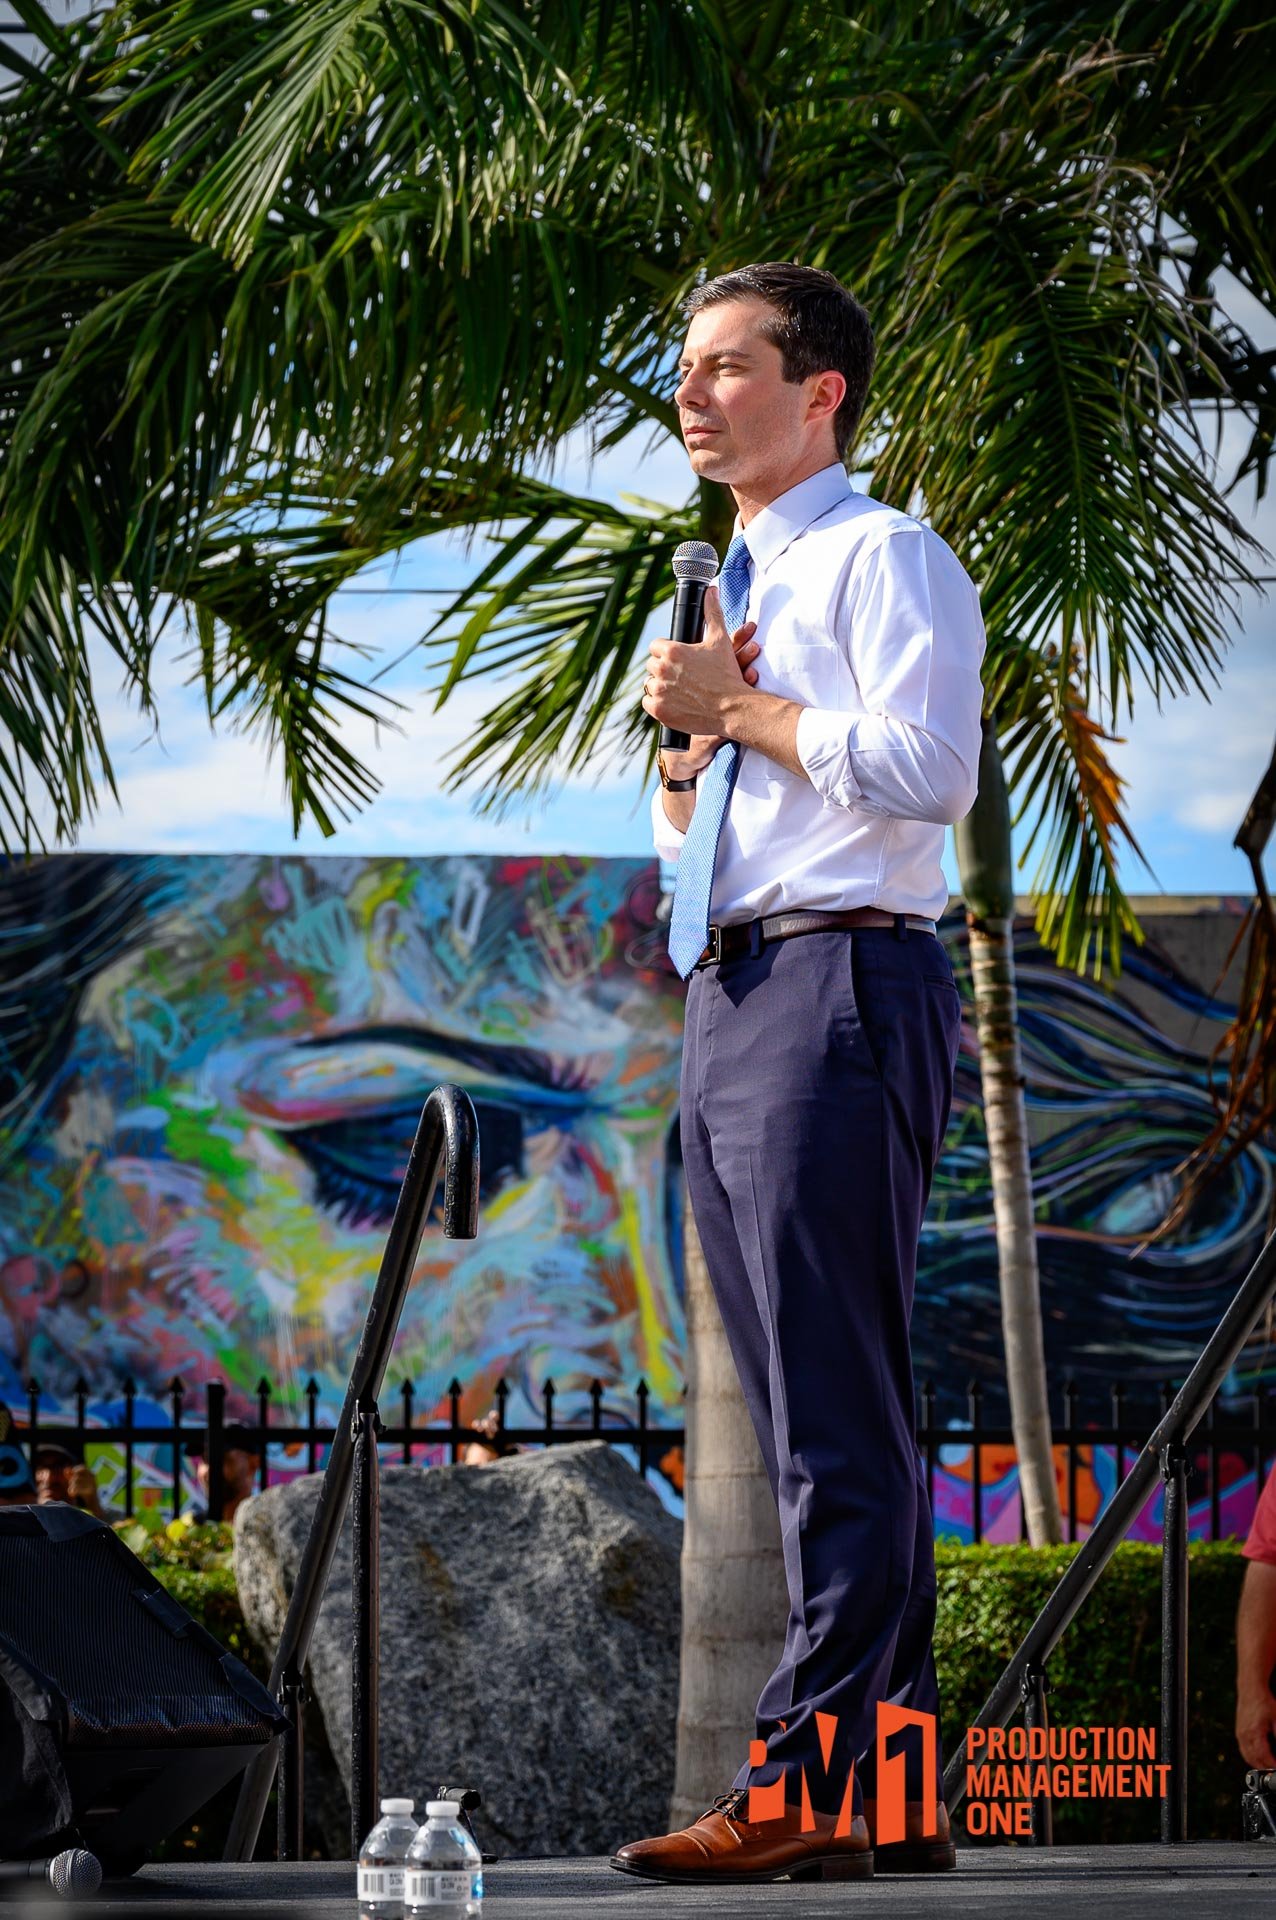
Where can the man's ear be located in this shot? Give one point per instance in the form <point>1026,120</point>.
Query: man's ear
<point>827,395</point>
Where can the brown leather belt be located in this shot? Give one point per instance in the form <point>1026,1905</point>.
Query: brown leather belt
<point>750,936</point>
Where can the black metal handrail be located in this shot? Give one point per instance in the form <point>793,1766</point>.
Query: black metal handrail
<point>446,1134</point>
<point>1165,1453</point>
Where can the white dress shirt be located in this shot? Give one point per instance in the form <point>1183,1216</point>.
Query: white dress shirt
<point>868,619</point>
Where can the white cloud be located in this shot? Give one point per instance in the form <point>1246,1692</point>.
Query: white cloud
<point>1197,765</point>
<point>1190,768</point>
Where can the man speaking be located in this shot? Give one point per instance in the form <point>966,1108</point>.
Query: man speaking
<point>807,819</point>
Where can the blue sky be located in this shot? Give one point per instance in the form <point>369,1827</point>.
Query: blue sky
<point>1190,768</point>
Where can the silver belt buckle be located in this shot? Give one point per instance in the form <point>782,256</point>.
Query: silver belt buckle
<point>714,952</point>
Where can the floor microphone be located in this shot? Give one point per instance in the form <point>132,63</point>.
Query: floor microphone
<point>73,1872</point>
<point>695,567</point>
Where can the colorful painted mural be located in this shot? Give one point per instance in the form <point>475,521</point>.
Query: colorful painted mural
<point>211,1069</point>
<point>212,1073</point>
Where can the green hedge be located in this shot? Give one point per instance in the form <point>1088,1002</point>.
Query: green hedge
<point>1106,1670</point>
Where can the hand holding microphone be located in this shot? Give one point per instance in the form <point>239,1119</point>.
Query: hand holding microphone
<point>697,615</point>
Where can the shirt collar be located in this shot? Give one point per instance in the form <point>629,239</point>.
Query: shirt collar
<point>789,514</point>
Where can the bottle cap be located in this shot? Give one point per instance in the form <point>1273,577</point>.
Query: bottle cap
<point>397,1806</point>
<point>442,1806</point>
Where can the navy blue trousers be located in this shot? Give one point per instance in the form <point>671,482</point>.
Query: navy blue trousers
<point>816,1085</point>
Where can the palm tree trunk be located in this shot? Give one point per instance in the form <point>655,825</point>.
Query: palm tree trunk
<point>734,1596</point>
<point>735,1602</point>
<point>983,853</point>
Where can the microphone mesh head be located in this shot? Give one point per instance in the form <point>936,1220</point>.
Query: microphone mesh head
<point>75,1871</point>
<point>695,560</point>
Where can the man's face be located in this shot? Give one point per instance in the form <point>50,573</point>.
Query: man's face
<point>741,420</point>
<point>51,1478</point>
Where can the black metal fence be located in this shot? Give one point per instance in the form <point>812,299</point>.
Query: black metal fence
<point>304,1447</point>
<point>1242,1433</point>
<point>1230,1444</point>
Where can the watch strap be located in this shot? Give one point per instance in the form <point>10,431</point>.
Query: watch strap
<point>672,786</point>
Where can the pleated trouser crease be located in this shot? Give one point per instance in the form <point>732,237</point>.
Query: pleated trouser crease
<point>816,1085</point>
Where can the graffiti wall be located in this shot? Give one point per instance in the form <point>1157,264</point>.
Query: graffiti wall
<point>211,1070</point>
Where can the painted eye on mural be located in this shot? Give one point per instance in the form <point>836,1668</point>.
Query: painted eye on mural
<point>359,1163</point>
<point>350,1103</point>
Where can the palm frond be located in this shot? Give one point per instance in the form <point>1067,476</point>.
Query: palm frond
<point>565,602</point>
<point>450,93</point>
<point>1246,1107</point>
<point>1043,366</point>
<point>53,754</point>
<point>264,650</point>
<point>1069,791</point>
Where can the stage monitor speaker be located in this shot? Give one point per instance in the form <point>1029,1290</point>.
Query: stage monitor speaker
<point>120,1716</point>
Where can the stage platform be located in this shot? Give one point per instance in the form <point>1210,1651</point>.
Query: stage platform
<point>1110,1883</point>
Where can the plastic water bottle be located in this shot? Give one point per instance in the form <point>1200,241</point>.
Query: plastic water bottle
<point>381,1862</point>
<point>443,1871</point>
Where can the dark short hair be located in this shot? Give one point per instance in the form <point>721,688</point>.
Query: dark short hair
<point>818,324</point>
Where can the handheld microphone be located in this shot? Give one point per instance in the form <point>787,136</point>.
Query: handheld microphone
<point>71,1873</point>
<point>695,567</point>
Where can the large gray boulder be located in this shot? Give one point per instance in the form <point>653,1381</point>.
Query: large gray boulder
<point>530,1621</point>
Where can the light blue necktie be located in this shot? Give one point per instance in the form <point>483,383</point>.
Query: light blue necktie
<point>693,883</point>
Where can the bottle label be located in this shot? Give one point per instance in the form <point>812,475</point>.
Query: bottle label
<point>381,1883</point>
<point>424,1888</point>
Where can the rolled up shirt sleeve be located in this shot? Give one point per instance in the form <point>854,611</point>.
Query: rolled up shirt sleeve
<point>911,628</point>
<point>666,837</point>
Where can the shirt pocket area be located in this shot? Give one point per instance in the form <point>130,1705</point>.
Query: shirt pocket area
<point>808,670</point>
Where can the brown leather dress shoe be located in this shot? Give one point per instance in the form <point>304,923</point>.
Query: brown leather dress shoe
<point>723,1846</point>
<point>918,1851</point>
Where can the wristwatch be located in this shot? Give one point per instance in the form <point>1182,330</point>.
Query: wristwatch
<point>672,786</point>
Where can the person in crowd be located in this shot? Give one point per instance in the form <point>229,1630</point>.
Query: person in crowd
<point>1256,1637</point>
<point>240,1467</point>
<point>59,1476</point>
<point>481,1453</point>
